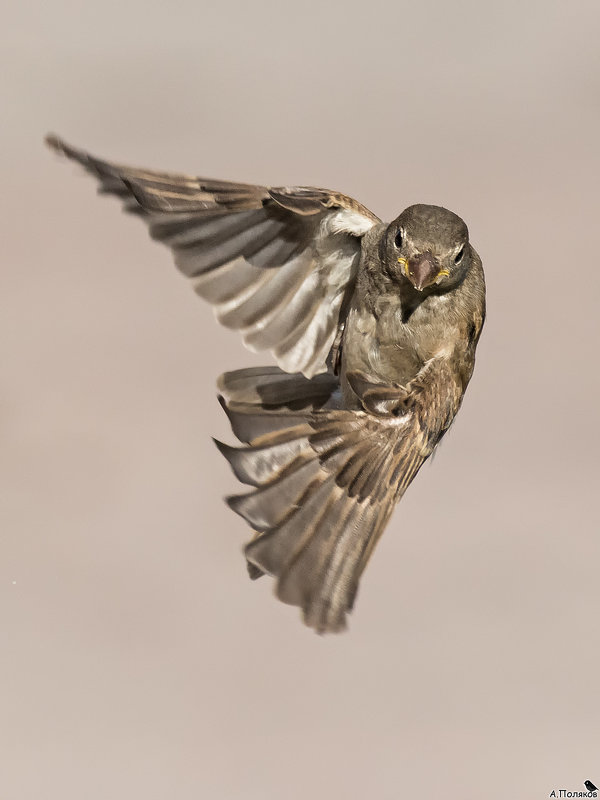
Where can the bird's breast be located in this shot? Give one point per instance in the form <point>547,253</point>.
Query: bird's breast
<point>382,346</point>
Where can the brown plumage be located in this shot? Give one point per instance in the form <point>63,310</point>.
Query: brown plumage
<point>374,329</point>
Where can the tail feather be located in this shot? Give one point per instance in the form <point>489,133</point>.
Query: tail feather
<point>322,485</point>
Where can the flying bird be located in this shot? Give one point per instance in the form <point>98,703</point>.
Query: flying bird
<point>373,327</point>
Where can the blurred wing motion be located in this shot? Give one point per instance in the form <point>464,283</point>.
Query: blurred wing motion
<point>326,479</point>
<point>276,264</point>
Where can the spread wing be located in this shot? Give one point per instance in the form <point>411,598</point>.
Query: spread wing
<point>275,263</point>
<point>325,479</point>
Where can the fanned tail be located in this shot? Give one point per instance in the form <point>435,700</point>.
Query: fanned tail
<point>325,483</point>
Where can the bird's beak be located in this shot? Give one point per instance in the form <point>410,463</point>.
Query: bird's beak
<point>422,270</point>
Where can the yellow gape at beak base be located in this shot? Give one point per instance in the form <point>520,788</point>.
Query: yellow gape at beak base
<point>404,264</point>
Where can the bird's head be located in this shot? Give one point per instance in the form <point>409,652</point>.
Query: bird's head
<point>428,246</point>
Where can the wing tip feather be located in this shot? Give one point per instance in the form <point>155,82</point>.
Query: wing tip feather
<point>53,141</point>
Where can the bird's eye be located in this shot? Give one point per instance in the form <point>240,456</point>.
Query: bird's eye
<point>398,240</point>
<point>459,256</point>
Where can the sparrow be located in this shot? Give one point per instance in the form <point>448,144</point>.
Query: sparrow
<point>373,327</point>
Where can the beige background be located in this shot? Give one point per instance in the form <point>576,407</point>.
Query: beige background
<point>137,660</point>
